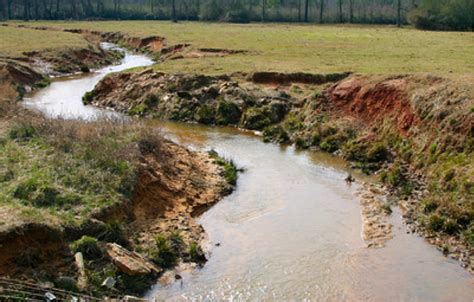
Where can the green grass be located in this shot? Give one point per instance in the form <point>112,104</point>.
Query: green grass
<point>63,171</point>
<point>16,41</point>
<point>230,169</point>
<point>306,48</point>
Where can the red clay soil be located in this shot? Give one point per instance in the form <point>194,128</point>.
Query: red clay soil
<point>370,103</point>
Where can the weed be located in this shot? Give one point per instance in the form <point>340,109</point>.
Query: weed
<point>436,222</point>
<point>45,82</point>
<point>23,132</point>
<point>230,169</point>
<point>450,226</point>
<point>139,109</point>
<point>196,254</point>
<point>88,97</point>
<point>164,255</point>
<point>293,123</point>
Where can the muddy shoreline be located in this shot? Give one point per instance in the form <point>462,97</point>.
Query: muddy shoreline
<point>371,121</point>
<point>264,102</point>
<point>173,186</point>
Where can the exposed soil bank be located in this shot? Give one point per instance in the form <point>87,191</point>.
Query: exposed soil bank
<point>170,186</point>
<point>33,71</point>
<point>411,130</point>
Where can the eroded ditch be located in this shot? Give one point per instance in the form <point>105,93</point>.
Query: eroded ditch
<point>200,286</point>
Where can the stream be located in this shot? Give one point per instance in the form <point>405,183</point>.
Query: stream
<point>292,228</point>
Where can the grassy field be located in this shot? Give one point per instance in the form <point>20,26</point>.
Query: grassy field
<point>308,48</point>
<point>15,41</point>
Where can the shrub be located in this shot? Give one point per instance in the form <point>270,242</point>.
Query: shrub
<point>469,236</point>
<point>377,152</point>
<point>332,142</point>
<point>88,97</point>
<point>436,222</point>
<point>164,255</point>
<point>293,123</point>
<point>23,131</point>
<point>88,246</point>
<point>228,113</point>
<point>275,133</point>
<point>211,10</point>
<point>450,226</point>
<point>238,14</point>
<point>135,284</point>
<point>45,82</point>
<point>151,100</point>
<point>370,152</point>
<point>196,253</point>
<point>176,241</point>
<point>429,205</point>
<point>443,14</point>
<point>302,143</point>
<point>46,197</point>
<point>205,114</point>
<point>255,119</point>
<point>113,232</point>
<point>25,189</point>
<point>84,68</point>
<point>139,109</point>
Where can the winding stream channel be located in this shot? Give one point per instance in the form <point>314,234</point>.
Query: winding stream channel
<point>291,230</point>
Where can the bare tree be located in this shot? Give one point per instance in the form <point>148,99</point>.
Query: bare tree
<point>173,11</point>
<point>306,10</point>
<point>351,11</point>
<point>321,11</point>
<point>25,10</point>
<point>339,2</point>
<point>399,13</point>
<point>299,10</point>
<point>9,8</point>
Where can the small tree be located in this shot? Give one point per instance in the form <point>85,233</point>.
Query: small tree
<point>399,13</point>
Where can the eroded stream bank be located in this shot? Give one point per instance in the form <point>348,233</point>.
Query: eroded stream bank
<point>86,189</point>
<point>293,230</point>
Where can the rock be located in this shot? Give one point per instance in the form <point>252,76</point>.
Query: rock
<point>130,263</point>
<point>133,299</point>
<point>109,282</point>
<point>50,297</point>
<point>79,261</point>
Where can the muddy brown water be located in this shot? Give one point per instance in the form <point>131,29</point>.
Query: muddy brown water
<point>292,228</point>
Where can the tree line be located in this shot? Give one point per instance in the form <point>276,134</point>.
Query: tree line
<point>431,14</point>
